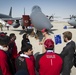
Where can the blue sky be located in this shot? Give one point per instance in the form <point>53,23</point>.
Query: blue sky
<point>62,8</point>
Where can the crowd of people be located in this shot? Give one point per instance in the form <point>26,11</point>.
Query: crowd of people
<point>13,62</point>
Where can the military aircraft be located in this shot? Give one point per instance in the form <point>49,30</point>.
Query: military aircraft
<point>9,19</point>
<point>24,21</point>
<point>72,20</point>
<point>39,20</point>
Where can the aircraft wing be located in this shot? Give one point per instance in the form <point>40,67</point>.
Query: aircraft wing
<point>66,18</point>
<point>11,18</point>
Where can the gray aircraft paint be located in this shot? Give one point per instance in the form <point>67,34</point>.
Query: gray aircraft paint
<point>39,20</point>
<point>72,22</point>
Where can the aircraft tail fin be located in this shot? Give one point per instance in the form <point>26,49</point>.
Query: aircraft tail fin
<point>10,13</point>
<point>24,11</point>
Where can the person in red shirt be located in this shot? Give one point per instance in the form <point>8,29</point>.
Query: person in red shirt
<point>5,68</point>
<point>25,61</point>
<point>49,63</point>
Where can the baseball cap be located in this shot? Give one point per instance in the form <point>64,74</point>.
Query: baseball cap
<point>44,30</point>
<point>49,43</point>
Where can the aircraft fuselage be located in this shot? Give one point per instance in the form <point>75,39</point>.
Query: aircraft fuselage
<point>72,22</point>
<point>4,16</point>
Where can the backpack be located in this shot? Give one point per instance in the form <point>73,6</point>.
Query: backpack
<point>21,64</point>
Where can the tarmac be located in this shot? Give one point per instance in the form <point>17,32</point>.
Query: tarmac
<point>58,28</point>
